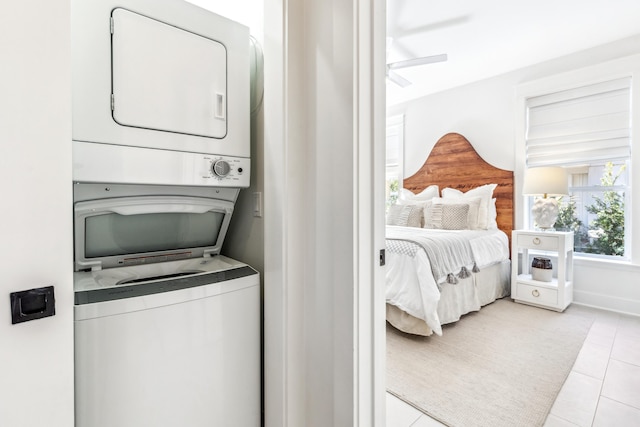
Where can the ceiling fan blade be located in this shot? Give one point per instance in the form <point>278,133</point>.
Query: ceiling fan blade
<point>398,79</point>
<point>418,61</point>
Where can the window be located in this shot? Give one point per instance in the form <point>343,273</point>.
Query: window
<point>394,158</point>
<point>587,130</point>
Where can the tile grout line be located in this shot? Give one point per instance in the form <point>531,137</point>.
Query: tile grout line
<point>604,377</point>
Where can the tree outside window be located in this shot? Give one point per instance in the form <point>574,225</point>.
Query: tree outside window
<point>596,214</point>
<point>392,191</point>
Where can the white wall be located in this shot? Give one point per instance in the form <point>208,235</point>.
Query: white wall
<point>480,112</point>
<point>486,112</point>
<point>36,216</point>
<point>246,12</point>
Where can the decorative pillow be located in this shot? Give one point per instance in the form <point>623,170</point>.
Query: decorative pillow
<point>406,197</point>
<point>492,222</point>
<point>483,191</point>
<point>405,215</point>
<point>405,194</point>
<point>472,214</point>
<point>447,217</point>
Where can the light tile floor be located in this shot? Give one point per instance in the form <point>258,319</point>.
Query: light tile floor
<point>602,390</point>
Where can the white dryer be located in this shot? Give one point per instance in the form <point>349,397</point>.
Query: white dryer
<point>160,90</point>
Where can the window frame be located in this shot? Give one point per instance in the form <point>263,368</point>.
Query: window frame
<point>624,67</point>
<point>394,128</point>
<point>597,189</point>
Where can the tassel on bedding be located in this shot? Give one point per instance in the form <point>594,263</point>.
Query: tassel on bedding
<point>475,268</point>
<point>451,278</point>
<point>464,273</point>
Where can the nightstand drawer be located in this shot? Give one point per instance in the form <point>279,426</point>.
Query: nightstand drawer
<point>536,295</point>
<point>539,241</point>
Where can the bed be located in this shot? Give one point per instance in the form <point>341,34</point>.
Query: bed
<point>447,239</point>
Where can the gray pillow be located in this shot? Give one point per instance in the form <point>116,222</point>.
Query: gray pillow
<point>405,215</point>
<point>446,217</point>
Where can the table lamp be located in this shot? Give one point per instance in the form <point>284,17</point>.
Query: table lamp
<point>545,183</point>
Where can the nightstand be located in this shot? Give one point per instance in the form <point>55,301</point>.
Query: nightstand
<point>556,294</point>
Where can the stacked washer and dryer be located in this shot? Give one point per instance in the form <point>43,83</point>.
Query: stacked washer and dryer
<point>166,328</point>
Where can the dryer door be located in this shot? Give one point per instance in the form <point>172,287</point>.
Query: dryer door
<point>166,78</point>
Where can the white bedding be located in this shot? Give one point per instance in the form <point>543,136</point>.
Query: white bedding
<point>410,283</point>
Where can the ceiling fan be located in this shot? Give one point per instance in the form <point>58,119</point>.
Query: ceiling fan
<point>392,66</point>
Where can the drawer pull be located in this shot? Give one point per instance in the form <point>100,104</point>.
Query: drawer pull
<point>535,293</point>
<point>536,240</point>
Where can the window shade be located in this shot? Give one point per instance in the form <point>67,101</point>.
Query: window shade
<point>580,126</point>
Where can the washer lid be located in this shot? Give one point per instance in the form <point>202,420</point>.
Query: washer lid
<point>148,229</point>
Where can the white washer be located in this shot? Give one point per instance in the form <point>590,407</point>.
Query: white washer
<point>178,350</point>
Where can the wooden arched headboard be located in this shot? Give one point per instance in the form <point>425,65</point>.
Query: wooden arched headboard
<point>454,163</point>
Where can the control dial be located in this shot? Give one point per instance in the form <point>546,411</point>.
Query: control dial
<point>221,168</point>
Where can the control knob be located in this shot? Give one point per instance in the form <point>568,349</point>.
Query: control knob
<point>221,168</point>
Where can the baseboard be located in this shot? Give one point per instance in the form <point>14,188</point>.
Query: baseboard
<point>606,302</point>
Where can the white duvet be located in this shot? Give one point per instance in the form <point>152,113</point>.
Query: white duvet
<point>410,284</point>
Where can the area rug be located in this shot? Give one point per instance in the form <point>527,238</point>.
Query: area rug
<point>501,366</point>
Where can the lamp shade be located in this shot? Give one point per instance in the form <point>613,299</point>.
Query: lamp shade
<point>547,181</point>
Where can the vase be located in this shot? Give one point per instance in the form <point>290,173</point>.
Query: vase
<point>541,269</point>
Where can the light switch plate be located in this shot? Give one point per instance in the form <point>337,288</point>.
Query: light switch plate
<point>257,204</point>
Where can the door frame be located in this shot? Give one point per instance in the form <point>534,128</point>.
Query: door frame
<point>291,395</point>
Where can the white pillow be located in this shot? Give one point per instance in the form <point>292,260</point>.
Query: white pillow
<point>407,197</point>
<point>492,223</point>
<point>472,214</point>
<point>485,192</point>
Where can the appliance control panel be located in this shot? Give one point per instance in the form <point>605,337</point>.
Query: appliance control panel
<point>225,171</point>
<point>138,165</point>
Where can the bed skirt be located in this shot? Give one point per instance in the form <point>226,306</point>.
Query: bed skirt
<point>456,300</point>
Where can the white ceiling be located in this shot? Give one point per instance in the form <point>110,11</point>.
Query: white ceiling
<point>486,38</point>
